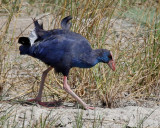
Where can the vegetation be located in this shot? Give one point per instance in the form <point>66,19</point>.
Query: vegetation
<point>135,48</point>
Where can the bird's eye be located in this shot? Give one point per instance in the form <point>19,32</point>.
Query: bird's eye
<point>110,56</point>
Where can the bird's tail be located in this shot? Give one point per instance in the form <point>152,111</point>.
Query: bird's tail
<point>65,24</point>
<point>24,48</point>
<point>37,25</point>
<point>37,32</point>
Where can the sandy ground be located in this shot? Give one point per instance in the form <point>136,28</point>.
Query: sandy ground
<point>130,116</point>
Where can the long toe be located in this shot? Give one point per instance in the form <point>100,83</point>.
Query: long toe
<point>32,100</point>
<point>88,107</point>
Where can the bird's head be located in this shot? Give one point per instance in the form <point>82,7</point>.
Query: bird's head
<point>105,56</point>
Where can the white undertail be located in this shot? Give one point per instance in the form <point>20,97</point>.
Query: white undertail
<point>33,37</point>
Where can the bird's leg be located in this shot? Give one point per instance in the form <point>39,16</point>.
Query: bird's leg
<point>39,96</point>
<point>68,90</point>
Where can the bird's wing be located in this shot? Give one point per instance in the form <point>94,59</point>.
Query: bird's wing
<point>50,50</point>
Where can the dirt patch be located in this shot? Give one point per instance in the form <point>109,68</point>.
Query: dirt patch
<point>131,116</point>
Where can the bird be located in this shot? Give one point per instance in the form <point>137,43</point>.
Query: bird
<point>62,49</point>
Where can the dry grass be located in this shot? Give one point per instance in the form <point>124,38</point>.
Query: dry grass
<point>136,50</point>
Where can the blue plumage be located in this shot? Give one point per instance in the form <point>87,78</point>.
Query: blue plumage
<point>62,49</point>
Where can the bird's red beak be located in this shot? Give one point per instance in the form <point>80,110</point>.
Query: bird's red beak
<point>111,64</point>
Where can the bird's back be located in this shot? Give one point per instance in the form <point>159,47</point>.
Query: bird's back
<point>61,49</point>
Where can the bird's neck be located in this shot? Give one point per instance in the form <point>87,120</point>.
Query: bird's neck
<point>98,55</point>
<point>88,60</point>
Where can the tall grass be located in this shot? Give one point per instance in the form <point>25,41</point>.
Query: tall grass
<point>136,56</point>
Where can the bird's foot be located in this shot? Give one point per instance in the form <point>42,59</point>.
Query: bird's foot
<point>88,107</point>
<point>46,104</point>
<point>33,100</point>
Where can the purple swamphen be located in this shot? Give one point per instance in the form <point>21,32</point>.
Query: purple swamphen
<point>62,50</point>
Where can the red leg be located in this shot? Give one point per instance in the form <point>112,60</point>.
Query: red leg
<point>39,96</point>
<point>68,90</point>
